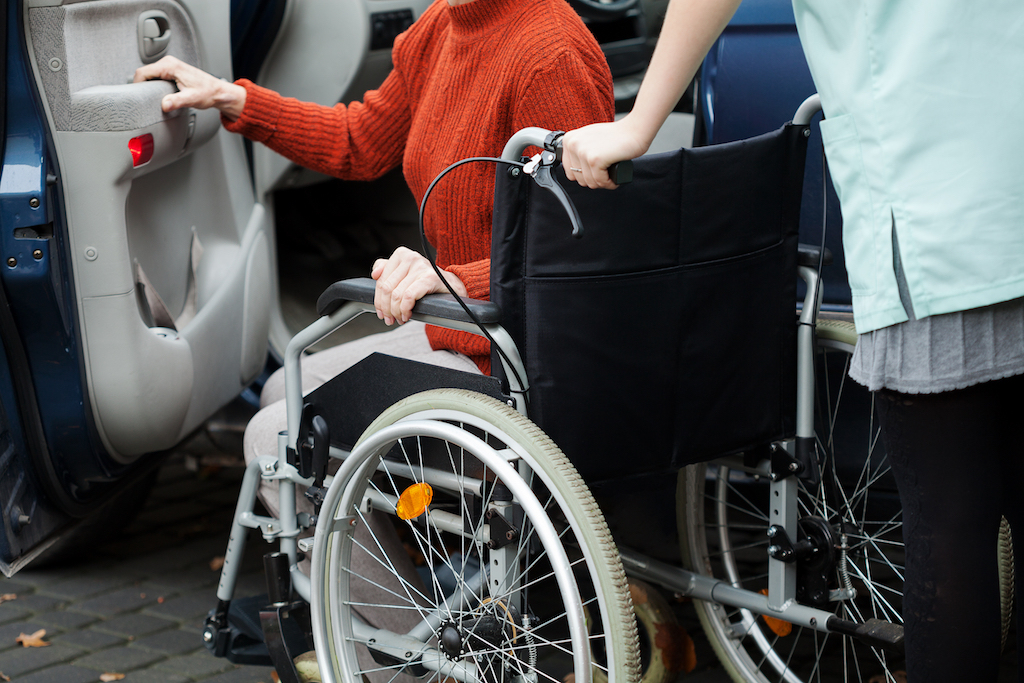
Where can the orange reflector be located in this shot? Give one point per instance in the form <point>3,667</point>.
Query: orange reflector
<point>778,626</point>
<point>141,149</point>
<point>414,500</point>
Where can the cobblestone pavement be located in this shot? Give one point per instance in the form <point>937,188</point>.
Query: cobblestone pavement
<point>136,605</point>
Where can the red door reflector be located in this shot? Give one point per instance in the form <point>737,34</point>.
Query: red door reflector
<point>141,149</point>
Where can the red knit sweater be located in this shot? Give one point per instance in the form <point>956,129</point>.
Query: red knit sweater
<point>465,78</point>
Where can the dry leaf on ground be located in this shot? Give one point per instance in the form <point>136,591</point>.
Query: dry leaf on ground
<point>216,563</point>
<point>34,640</point>
<point>107,677</point>
<point>7,597</point>
<point>4,677</point>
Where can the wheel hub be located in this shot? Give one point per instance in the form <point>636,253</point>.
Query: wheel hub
<point>451,639</point>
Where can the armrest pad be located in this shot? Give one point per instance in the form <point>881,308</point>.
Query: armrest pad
<point>445,306</point>
<point>807,255</point>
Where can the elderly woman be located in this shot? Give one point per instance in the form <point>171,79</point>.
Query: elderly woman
<point>467,75</point>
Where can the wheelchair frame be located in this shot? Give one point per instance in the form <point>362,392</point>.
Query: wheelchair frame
<point>780,602</point>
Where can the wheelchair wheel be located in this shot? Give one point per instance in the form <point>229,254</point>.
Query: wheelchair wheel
<point>723,522</point>
<point>493,519</point>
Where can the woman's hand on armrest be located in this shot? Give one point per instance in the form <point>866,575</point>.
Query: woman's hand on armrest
<point>196,88</point>
<point>402,280</point>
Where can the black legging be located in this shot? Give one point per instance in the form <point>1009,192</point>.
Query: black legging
<point>958,458</point>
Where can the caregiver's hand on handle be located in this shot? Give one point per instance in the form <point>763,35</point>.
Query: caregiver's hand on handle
<point>690,28</point>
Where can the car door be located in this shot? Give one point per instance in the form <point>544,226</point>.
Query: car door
<point>137,277</point>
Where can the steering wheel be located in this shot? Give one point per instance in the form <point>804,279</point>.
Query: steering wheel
<point>598,10</point>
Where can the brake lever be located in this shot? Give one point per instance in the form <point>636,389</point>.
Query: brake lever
<point>539,168</point>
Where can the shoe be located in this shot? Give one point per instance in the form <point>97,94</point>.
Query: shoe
<point>309,670</point>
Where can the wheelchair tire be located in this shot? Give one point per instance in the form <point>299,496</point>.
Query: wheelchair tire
<point>723,522</point>
<point>515,629</point>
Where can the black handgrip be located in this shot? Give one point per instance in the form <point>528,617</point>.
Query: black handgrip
<point>621,172</point>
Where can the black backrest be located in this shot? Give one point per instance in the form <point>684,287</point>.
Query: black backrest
<point>666,335</point>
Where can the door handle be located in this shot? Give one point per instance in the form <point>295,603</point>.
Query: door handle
<point>154,35</point>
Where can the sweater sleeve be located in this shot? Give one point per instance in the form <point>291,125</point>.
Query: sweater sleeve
<point>359,141</point>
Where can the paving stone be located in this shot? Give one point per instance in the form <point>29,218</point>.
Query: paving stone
<point>27,659</point>
<point>65,620</point>
<point>9,611</point>
<point>62,674</point>
<point>155,676</point>
<point>120,601</point>
<point>48,575</point>
<point>244,674</point>
<point>197,665</point>
<point>84,586</point>
<point>89,639</point>
<point>186,579</point>
<point>170,642</point>
<point>18,584</point>
<point>151,539</point>
<point>119,659</point>
<point>134,625</point>
<point>185,606</point>
<point>36,603</point>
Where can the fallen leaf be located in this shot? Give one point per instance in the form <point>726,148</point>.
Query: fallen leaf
<point>107,677</point>
<point>160,600</point>
<point>216,563</point>
<point>4,677</point>
<point>34,640</point>
<point>7,597</point>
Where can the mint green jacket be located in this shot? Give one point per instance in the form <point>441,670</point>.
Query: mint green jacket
<point>924,135</point>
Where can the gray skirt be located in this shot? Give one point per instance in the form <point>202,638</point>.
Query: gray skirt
<point>943,352</point>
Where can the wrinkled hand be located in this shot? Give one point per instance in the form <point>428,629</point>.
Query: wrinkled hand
<point>592,149</point>
<point>196,88</point>
<point>404,279</point>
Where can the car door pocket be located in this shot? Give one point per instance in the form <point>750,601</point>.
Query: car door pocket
<point>154,35</point>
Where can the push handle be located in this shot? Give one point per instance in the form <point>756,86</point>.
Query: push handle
<point>620,172</point>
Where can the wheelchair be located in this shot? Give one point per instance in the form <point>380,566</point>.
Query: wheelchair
<point>456,541</point>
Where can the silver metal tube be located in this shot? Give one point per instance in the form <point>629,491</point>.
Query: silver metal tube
<point>714,590</point>
<point>236,541</point>
<point>807,109</point>
<point>527,137</point>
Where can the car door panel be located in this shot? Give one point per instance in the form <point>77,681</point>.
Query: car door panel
<point>182,224</point>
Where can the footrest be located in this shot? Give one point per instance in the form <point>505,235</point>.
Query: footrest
<point>445,306</point>
<point>873,632</point>
<point>243,641</point>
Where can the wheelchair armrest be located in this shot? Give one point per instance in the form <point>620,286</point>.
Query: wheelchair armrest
<point>807,255</point>
<point>360,289</point>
